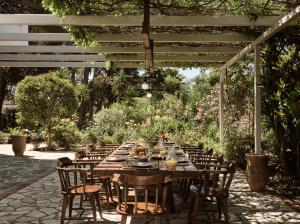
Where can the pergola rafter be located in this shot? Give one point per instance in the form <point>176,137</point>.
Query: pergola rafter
<point>53,20</point>
<point>132,38</point>
<point>114,49</point>
<point>90,57</point>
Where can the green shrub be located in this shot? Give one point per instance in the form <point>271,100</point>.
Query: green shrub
<point>65,133</point>
<point>107,121</point>
<point>89,136</point>
<point>237,145</point>
<point>43,99</point>
<point>119,136</point>
<point>4,137</point>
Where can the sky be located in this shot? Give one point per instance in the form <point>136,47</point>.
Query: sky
<point>189,73</point>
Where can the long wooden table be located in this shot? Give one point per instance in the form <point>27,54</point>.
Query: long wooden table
<point>184,170</point>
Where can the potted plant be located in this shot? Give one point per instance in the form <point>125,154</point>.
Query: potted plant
<point>18,139</point>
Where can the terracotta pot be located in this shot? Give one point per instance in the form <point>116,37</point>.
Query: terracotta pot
<point>257,171</point>
<point>18,144</point>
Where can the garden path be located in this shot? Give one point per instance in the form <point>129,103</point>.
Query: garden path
<point>30,193</point>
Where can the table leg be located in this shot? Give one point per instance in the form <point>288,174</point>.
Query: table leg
<point>170,198</point>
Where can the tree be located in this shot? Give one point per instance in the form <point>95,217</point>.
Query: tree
<point>281,97</point>
<point>43,99</point>
<point>9,77</point>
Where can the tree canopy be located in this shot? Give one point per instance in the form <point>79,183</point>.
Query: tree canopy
<point>42,99</point>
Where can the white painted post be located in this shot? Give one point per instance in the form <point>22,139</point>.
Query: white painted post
<point>221,110</point>
<point>257,99</point>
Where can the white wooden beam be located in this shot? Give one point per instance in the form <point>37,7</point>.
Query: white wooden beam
<point>184,58</point>
<point>112,49</point>
<point>88,57</point>
<point>279,25</point>
<point>58,37</point>
<point>257,99</point>
<point>165,64</point>
<point>140,64</point>
<point>51,64</point>
<point>51,57</point>
<point>53,20</point>
<point>170,38</point>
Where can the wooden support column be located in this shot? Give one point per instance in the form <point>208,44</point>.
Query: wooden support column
<point>221,109</point>
<point>148,43</point>
<point>257,99</point>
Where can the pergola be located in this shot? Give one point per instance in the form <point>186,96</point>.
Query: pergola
<point>221,49</point>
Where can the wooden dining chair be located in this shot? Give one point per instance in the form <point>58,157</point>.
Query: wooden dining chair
<point>213,182</point>
<point>91,161</point>
<point>74,183</point>
<point>147,197</point>
<point>64,162</point>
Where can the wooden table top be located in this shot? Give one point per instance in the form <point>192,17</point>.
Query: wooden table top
<point>186,170</point>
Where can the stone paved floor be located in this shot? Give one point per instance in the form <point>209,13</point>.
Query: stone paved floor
<point>18,172</point>
<point>40,201</point>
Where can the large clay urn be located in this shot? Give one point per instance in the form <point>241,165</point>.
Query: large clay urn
<point>257,171</point>
<point>18,144</point>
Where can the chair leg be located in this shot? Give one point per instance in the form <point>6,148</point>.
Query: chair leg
<point>97,196</point>
<point>158,219</point>
<point>71,199</point>
<point>81,201</point>
<point>123,219</point>
<point>92,201</point>
<point>225,209</point>
<point>219,206</point>
<point>195,210</point>
<point>105,186</point>
<point>109,189</point>
<point>64,208</point>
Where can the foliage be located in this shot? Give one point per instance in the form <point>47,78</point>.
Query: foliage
<point>86,35</point>
<point>17,131</point>
<point>238,143</point>
<point>119,85</point>
<point>43,99</point>
<point>281,98</point>
<point>239,94</point>
<point>3,137</point>
<point>100,90</point>
<point>65,132</point>
<point>89,135</point>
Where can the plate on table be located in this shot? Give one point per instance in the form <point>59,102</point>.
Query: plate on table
<point>179,152</point>
<point>142,165</point>
<point>126,147</point>
<point>115,159</point>
<point>121,152</point>
<point>182,160</point>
